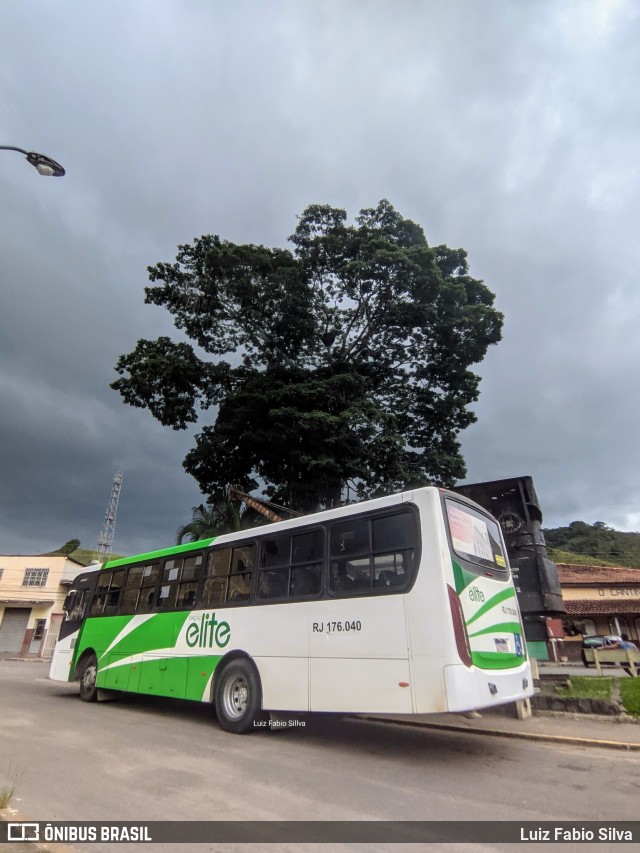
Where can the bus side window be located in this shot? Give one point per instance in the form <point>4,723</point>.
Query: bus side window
<point>187,594</point>
<point>307,558</point>
<point>179,585</point>
<point>214,590</point>
<point>148,581</point>
<point>101,593</point>
<point>131,591</point>
<point>69,603</point>
<point>167,596</point>
<point>306,580</point>
<point>113,596</point>
<point>373,554</point>
<point>241,573</point>
<point>339,580</point>
<point>74,605</point>
<point>275,561</point>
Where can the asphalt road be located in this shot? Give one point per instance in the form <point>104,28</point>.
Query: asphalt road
<point>142,759</point>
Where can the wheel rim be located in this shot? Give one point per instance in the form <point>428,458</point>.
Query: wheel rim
<point>89,678</point>
<point>235,697</point>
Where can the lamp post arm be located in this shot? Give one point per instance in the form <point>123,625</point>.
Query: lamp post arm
<point>13,148</point>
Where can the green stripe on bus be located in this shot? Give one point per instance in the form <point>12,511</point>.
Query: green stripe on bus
<point>180,677</point>
<point>165,552</point>
<point>503,595</point>
<point>496,660</point>
<point>160,631</point>
<point>461,576</point>
<point>500,628</point>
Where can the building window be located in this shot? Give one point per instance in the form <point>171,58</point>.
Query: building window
<point>1,571</point>
<point>38,632</point>
<point>618,625</point>
<point>35,577</point>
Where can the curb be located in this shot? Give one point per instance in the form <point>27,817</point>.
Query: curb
<point>566,739</point>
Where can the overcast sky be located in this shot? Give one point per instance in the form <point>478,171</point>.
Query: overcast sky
<point>507,128</point>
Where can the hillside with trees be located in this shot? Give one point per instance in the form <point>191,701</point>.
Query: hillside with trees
<point>594,544</point>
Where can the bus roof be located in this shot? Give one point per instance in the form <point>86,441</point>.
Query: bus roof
<point>311,518</point>
<point>164,552</point>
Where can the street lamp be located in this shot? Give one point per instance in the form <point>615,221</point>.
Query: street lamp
<point>45,165</point>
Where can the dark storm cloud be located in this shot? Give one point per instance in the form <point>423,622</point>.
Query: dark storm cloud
<point>509,129</point>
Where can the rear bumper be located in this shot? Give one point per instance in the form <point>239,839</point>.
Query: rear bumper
<point>471,688</point>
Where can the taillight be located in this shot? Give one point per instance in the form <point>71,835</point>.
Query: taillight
<point>459,628</point>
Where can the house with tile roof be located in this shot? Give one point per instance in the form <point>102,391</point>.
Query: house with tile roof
<point>599,600</point>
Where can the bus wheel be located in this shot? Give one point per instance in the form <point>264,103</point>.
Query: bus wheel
<point>238,697</point>
<point>88,673</point>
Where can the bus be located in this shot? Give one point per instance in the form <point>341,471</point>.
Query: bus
<point>403,604</point>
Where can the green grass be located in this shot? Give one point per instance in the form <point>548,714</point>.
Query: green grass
<point>585,687</point>
<point>630,695</point>
<point>8,791</point>
<point>85,555</point>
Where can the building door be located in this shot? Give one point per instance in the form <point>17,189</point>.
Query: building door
<point>13,628</point>
<point>38,636</point>
<point>52,635</point>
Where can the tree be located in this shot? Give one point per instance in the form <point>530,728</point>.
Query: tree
<point>221,516</point>
<point>350,354</point>
<point>68,547</point>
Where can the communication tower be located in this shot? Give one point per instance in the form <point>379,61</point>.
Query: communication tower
<point>105,540</point>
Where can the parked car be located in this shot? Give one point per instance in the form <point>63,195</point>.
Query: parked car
<point>596,642</point>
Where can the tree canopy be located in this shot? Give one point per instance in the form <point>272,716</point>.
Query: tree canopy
<point>343,363</point>
<point>68,548</point>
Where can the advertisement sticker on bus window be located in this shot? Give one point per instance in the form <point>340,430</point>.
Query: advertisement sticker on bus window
<point>469,534</point>
<point>500,560</point>
<point>501,645</point>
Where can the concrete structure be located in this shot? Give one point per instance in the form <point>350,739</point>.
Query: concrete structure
<point>598,600</point>
<point>32,590</point>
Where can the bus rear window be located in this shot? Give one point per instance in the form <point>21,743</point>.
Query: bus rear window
<point>475,536</point>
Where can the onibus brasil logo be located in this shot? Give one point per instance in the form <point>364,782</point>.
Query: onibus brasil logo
<point>205,631</point>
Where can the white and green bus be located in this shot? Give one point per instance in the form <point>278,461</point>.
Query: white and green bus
<point>403,604</point>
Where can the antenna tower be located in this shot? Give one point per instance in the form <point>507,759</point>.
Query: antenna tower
<point>105,540</point>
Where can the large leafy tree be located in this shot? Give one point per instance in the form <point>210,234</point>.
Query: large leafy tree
<point>342,363</point>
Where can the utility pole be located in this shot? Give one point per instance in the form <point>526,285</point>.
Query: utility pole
<point>105,540</point>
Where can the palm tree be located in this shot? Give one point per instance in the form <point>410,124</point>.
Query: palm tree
<point>212,519</point>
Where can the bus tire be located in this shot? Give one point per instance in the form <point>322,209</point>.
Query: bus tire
<point>238,696</point>
<point>88,674</point>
